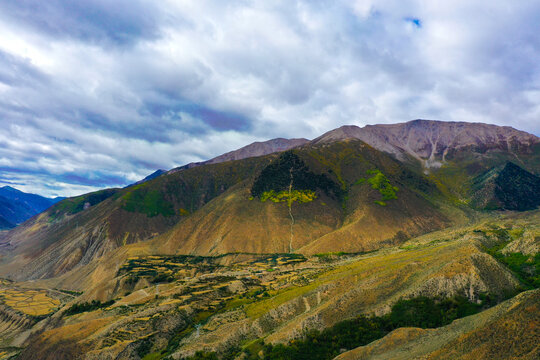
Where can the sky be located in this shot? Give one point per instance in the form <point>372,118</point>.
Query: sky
<point>101,93</point>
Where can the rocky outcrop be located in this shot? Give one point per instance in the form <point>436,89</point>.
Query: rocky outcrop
<point>12,323</point>
<point>527,244</point>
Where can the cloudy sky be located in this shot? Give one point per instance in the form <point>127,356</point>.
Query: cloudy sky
<point>101,93</point>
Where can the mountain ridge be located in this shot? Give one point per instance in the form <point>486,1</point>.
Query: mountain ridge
<point>258,148</point>
<point>258,252</point>
<point>431,141</point>
<point>205,209</point>
<point>17,206</point>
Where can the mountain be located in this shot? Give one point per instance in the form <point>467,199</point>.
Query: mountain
<point>435,142</point>
<point>17,206</point>
<point>217,208</point>
<point>465,338</point>
<point>5,224</point>
<point>507,188</point>
<point>153,175</point>
<point>451,154</point>
<point>251,150</point>
<point>272,242</point>
<point>174,306</point>
<point>344,195</point>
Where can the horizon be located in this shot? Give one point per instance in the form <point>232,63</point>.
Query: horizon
<point>101,94</point>
<point>55,195</point>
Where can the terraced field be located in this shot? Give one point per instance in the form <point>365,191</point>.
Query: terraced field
<point>158,306</point>
<point>29,302</point>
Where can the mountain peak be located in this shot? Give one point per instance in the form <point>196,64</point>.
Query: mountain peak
<point>258,148</point>
<point>11,189</point>
<point>433,142</point>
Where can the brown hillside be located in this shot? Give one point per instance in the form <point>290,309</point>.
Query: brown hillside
<point>508,331</point>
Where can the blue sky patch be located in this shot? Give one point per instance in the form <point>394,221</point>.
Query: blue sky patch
<point>415,21</point>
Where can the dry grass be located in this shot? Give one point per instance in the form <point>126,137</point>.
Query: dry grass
<point>29,302</point>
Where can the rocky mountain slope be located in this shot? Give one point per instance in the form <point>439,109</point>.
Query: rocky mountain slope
<point>211,209</point>
<point>434,142</point>
<point>343,196</point>
<point>258,148</point>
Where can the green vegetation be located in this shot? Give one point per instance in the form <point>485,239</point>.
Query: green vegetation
<point>417,312</point>
<point>360,181</point>
<point>144,348</point>
<point>381,183</point>
<point>163,278</point>
<point>330,256</point>
<point>525,267</point>
<point>69,292</point>
<point>77,204</point>
<point>517,189</point>
<point>290,169</point>
<point>87,306</point>
<point>302,196</point>
<point>150,202</point>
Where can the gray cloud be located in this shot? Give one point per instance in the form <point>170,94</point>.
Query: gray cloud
<point>97,93</point>
<point>113,23</point>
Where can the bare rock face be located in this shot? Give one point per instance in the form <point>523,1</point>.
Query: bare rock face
<point>434,142</point>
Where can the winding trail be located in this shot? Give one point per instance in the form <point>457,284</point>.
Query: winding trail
<point>289,203</point>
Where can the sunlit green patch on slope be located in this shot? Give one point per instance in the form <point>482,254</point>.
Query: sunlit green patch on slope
<point>380,182</point>
<point>300,196</point>
<point>147,201</point>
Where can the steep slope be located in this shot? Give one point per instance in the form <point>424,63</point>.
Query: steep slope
<point>4,224</point>
<point>314,199</point>
<point>508,331</point>
<point>341,196</point>
<point>435,142</point>
<point>77,230</point>
<point>239,300</point>
<point>450,153</point>
<point>251,150</point>
<point>507,188</point>
<point>239,252</point>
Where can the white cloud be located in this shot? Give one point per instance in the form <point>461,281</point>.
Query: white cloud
<point>112,102</point>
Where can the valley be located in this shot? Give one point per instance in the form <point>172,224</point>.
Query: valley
<point>178,305</point>
<point>318,247</point>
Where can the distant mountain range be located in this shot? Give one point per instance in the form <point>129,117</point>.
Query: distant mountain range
<point>17,206</point>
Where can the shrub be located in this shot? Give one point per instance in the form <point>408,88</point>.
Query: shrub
<point>87,306</point>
